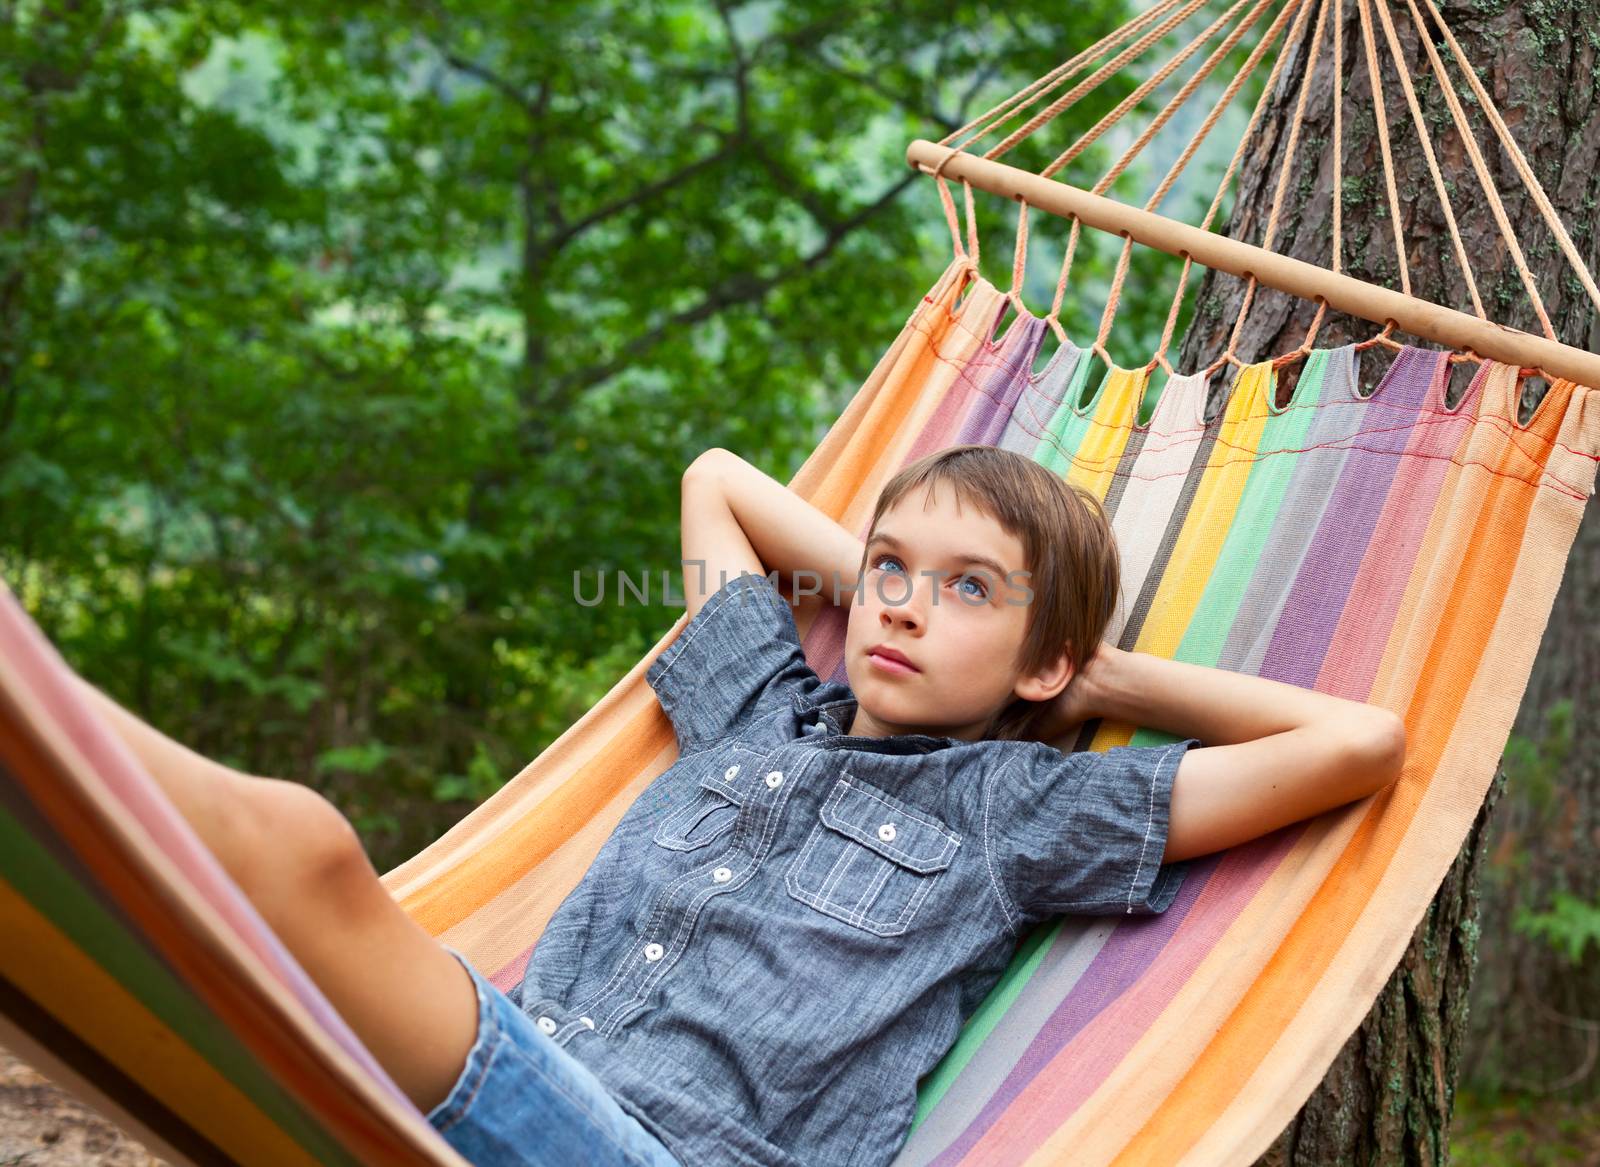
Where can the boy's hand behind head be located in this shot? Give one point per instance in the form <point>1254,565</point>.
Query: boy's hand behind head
<point>1080,700</point>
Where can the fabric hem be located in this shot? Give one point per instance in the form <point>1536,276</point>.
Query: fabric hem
<point>1155,893</point>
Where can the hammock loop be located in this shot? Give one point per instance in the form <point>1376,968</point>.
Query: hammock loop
<point>969,252</point>
<point>1066,271</point>
<point>1019,260</point>
<point>1115,296</point>
<point>1384,338</point>
<point>1238,325</point>
<point>1316,325</point>
<point>972,225</point>
<point>949,204</point>
<point>1284,360</point>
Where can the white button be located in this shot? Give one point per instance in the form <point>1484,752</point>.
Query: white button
<point>886,832</point>
<point>822,727</point>
<point>775,779</point>
<point>730,772</point>
<point>722,875</point>
<point>589,1021</point>
<point>654,952</point>
<point>546,1025</point>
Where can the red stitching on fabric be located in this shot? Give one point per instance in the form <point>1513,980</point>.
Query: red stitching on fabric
<point>1492,418</point>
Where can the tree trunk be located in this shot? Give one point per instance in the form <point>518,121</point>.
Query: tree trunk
<point>1389,1095</point>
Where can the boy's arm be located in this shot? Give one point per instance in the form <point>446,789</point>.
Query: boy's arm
<point>737,519</point>
<point>1275,753</point>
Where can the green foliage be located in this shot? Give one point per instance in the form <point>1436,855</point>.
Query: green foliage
<point>1533,765</point>
<point>1525,1129</point>
<point>1533,769</point>
<point>1568,925</point>
<point>333,339</point>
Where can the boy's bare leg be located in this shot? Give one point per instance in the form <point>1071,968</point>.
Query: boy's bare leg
<point>302,866</point>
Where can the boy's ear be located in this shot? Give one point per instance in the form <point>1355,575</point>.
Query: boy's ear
<point>1046,684</point>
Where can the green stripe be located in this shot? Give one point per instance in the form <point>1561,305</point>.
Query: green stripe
<point>1251,524</point>
<point>1067,426</point>
<point>61,899</point>
<point>983,1021</point>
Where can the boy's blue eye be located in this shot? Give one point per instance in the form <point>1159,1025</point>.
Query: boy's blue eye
<point>983,589</point>
<point>884,559</point>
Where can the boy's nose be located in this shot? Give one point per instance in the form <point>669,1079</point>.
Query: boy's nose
<point>903,606</point>
<point>899,615</point>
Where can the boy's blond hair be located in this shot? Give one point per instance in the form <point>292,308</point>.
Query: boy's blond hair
<point>1068,551</point>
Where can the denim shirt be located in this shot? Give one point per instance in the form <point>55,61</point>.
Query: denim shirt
<point>789,927</point>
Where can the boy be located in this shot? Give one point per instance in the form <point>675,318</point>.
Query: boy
<point>774,946</point>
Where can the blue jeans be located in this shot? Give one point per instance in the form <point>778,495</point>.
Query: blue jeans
<point>522,1099</point>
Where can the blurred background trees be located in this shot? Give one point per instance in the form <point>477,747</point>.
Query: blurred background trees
<point>334,340</point>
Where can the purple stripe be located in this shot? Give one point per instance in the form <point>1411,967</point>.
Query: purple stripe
<point>1173,938</point>
<point>1317,599</point>
<point>1000,391</point>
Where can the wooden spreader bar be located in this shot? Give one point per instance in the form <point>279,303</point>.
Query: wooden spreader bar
<point>1445,326</point>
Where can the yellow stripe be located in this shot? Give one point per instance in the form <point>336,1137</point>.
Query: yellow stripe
<point>41,961</point>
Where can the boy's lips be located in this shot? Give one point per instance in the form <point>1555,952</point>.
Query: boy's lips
<point>891,660</point>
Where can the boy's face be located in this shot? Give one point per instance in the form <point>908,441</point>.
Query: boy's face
<point>944,586</point>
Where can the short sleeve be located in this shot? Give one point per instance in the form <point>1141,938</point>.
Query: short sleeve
<point>1083,833</point>
<point>737,660</point>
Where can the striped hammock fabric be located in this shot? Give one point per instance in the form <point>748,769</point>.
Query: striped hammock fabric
<point>1384,549</point>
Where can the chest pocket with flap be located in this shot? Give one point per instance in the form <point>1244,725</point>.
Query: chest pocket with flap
<point>870,859</point>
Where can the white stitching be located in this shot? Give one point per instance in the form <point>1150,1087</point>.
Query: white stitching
<point>988,859</point>
<point>952,841</point>
<point>1150,820</point>
<point>857,916</point>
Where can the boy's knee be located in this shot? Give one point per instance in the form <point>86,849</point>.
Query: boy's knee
<point>301,846</point>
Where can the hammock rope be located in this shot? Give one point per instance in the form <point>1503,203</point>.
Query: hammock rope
<point>1274,214</point>
<point>980,126</point>
<point>1160,120</point>
<point>1426,141</point>
<point>1092,82</point>
<point>1127,104</point>
<point>1464,131</point>
<point>1482,342</point>
<point>1529,179</point>
<point>1019,258</point>
<point>1300,10</point>
<point>1105,182</point>
<point>1337,246</point>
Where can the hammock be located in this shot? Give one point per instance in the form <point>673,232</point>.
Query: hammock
<point>1391,548</point>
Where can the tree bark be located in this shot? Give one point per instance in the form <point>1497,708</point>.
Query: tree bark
<point>1389,1095</point>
